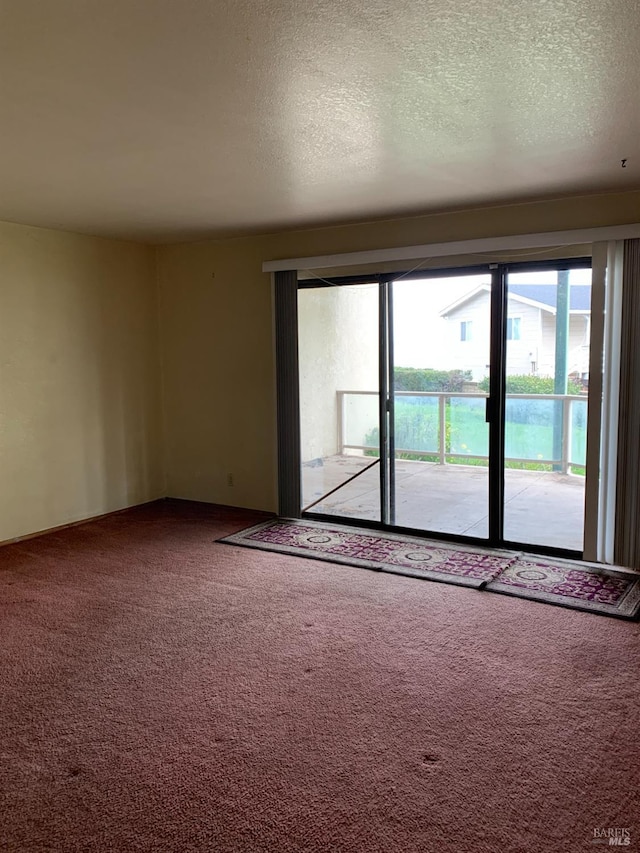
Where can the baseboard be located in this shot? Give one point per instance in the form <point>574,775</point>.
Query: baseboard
<point>227,507</point>
<point>69,524</point>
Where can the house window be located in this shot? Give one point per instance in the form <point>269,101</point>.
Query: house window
<point>465,330</point>
<point>513,328</point>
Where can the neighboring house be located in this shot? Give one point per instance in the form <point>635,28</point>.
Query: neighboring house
<point>531,330</point>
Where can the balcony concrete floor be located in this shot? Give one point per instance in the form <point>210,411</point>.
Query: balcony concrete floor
<point>540,508</point>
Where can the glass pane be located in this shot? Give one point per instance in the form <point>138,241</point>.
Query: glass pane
<point>360,420</point>
<point>546,407</point>
<point>529,434</point>
<point>578,436</point>
<point>338,357</point>
<point>468,431</point>
<point>416,424</point>
<point>441,329</point>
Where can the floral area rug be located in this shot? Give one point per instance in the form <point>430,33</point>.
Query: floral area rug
<point>582,586</point>
<point>614,592</point>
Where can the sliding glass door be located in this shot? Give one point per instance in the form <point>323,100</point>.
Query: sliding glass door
<point>338,346</point>
<point>450,403</point>
<point>440,356</point>
<point>547,336</point>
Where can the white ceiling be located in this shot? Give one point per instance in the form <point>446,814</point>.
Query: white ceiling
<point>166,120</point>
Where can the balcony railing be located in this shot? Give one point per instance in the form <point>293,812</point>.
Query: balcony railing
<point>540,429</point>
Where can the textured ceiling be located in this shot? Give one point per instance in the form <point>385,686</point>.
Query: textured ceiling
<point>178,119</point>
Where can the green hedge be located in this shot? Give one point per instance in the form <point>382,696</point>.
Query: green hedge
<point>426,379</point>
<point>526,384</point>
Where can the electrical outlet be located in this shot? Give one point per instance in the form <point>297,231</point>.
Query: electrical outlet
<point>229,479</point>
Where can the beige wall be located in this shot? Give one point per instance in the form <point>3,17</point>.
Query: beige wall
<point>217,333</point>
<point>80,408</point>
<point>218,373</point>
<point>80,383</point>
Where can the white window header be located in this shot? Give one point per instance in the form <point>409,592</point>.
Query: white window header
<point>458,247</point>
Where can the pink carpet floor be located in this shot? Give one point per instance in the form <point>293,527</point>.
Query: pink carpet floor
<point>161,692</point>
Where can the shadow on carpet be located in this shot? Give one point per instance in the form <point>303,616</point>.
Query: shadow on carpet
<point>580,586</point>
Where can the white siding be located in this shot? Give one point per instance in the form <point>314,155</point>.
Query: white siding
<point>536,346</point>
<point>523,353</point>
<point>472,354</point>
<point>578,356</point>
<point>547,363</point>
<point>579,330</point>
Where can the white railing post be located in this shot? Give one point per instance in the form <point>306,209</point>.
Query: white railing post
<point>341,419</point>
<point>566,433</point>
<point>442,428</point>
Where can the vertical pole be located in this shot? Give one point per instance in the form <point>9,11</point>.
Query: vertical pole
<point>496,407</point>
<point>288,394</point>
<point>383,395</point>
<point>561,365</point>
<point>391,408</point>
<point>442,428</point>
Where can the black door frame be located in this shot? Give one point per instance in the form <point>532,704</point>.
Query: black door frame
<point>495,400</point>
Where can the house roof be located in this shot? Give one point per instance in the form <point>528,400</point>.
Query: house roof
<point>542,296</point>
<point>185,119</point>
<point>546,295</point>
<point>465,298</point>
